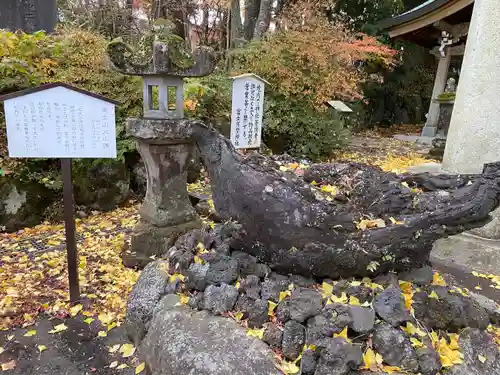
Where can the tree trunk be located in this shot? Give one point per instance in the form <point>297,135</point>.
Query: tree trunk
<point>236,25</point>
<point>223,31</point>
<point>205,27</point>
<point>280,4</point>
<point>251,15</point>
<point>172,11</point>
<point>28,15</point>
<point>264,19</point>
<point>290,225</point>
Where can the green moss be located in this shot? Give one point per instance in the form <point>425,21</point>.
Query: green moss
<point>446,96</point>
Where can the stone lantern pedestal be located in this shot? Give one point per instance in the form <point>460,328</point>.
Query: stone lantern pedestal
<point>165,147</point>
<point>166,212</point>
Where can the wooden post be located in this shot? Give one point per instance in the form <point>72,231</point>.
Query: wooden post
<point>69,224</point>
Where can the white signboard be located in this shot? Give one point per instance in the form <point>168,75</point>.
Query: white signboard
<point>58,122</point>
<point>339,106</point>
<point>247,110</point>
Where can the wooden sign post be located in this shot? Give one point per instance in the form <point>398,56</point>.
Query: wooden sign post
<point>61,121</point>
<point>247,111</point>
<point>70,229</point>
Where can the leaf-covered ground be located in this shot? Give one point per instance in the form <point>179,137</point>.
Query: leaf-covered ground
<point>387,153</point>
<point>33,269</point>
<point>70,347</point>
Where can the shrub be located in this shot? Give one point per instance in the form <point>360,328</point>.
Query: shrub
<point>312,59</point>
<point>307,63</point>
<point>209,99</point>
<point>303,130</point>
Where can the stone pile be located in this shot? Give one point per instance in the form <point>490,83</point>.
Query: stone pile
<point>321,327</point>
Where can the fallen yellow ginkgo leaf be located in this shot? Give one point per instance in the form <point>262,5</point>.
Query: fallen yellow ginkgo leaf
<point>140,368</point>
<point>437,279</point>
<point>342,299</point>
<point>11,365</point>
<point>102,334</point>
<point>259,333</point>
<point>327,289</point>
<point>271,307</point>
<point>342,334</point>
<point>369,224</point>
<point>75,309</point>
<point>372,360</point>
<point>354,301</point>
<point>433,295</point>
<point>284,294</point>
<point>59,328</point>
<point>30,333</point>
<point>127,350</point>
<point>289,367</point>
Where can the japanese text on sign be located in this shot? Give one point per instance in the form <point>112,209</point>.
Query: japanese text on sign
<point>247,109</point>
<point>60,123</point>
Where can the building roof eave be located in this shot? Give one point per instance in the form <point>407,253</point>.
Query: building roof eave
<point>423,26</point>
<point>413,14</point>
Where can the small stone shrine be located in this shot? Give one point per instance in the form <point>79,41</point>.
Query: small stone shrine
<point>162,140</point>
<point>446,102</point>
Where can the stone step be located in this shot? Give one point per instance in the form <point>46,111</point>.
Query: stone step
<point>458,256</point>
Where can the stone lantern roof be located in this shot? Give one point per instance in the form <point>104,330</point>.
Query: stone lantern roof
<point>163,67</point>
<point>160,63</point>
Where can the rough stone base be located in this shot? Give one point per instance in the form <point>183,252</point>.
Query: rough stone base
<point>184,341</point>
<point>429,131</point>
<point>191,333</point>
<point>492,229</point>
<point>469,252</point>
<point>149,242</point>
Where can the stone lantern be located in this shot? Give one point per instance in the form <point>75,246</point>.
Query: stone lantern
<point>164,144</point>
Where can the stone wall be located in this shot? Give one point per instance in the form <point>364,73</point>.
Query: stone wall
<point>321,326</point>
<point>28,15</point>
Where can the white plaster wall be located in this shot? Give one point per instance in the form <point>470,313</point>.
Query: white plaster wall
<point>474,134</point>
